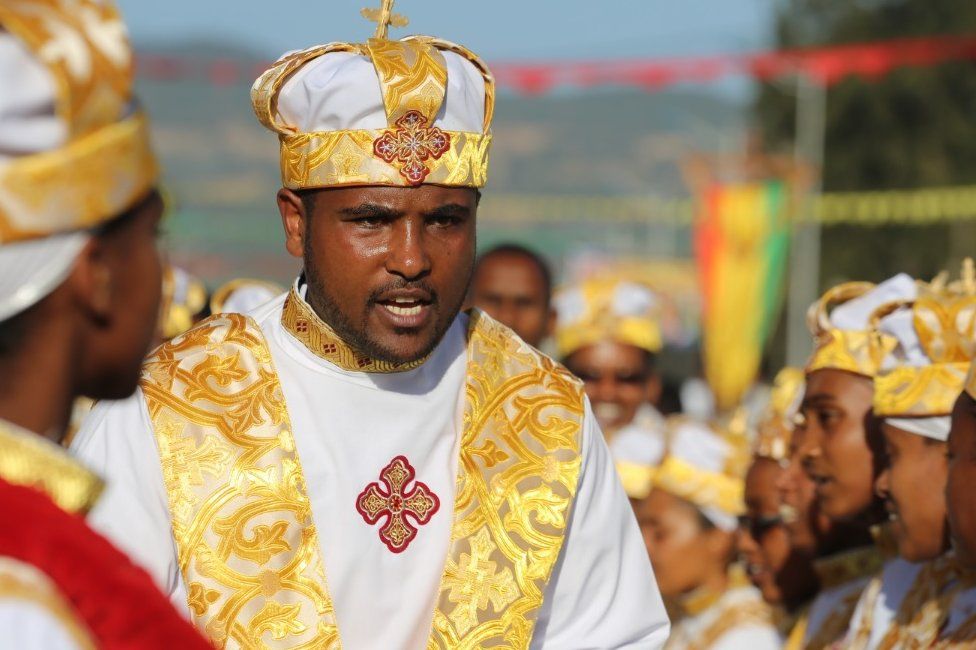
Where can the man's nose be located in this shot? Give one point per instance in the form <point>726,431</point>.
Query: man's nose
<point>408,256</point>
<point>882,484</point>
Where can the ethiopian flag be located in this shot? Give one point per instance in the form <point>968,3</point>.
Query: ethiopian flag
<point>741,244</point>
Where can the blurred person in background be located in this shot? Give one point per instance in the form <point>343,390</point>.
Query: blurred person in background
<point>183,304</point>
<point>79,292</point>
<point>513,285</point>
<point>608,335</point>
<point>957,598</point>
<point>907,606</point>
<point>841,449</point>
<point>243,295</point>
<point>782,571</point>
<point>360,427</point>
<point>689,521</point>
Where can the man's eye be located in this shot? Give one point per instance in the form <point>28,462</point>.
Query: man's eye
<point>444,221</point>
<point>369,222</point>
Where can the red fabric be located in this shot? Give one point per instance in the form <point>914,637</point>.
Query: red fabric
<point>827,65</point>
<point>116,600</point>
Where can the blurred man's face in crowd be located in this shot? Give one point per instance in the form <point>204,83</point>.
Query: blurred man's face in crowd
<point>782,573</point>
<point>841,451</point>
<point>685,553</point>
<point>913,487</point>
<point>387,267</point>
<point>961,479</point>
<point>618,379</point>
<point>512,289</point>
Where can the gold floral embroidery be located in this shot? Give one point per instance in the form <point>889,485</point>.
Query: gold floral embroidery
<point>518,473</point>
<point>242,522</point>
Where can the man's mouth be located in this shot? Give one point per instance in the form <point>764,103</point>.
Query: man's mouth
<point>892,510</point>
<point>405,308</point>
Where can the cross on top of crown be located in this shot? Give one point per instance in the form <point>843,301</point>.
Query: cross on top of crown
<point>383,16</point>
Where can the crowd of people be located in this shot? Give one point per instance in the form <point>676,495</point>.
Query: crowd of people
<point>414,446</point>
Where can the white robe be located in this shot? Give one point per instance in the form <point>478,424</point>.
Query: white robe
<point>347,427</point>
<point>689,631</point>
<point>896,580</point>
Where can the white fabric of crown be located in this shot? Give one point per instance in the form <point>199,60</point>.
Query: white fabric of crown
<point>30,270</point>
<point>248,297</point>
<point>697,444</point>
<point>901,325</point>
<point>856,314</point>
<point>340,91</point>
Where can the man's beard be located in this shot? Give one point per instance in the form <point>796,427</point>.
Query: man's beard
<point>356,335</point>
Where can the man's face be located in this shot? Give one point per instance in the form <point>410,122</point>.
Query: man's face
<point>763,540</point>
<point>961,479</point>
<point>387,267</point>
<point>131,259</point>
<point>512,289</point>
<point>839,453</point>
<point>618,380</point>
<point>913,487</point>
<point>684,555</point>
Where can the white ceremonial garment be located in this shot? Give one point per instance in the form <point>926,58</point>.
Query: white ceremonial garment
<point>962,612</point>
<point>347,427</point>
<point>876,609</point>
<point>32,612</point>
<point>690,632</point>
<point>829,602</point>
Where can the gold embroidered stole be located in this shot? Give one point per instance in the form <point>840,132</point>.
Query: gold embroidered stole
<point>248,548</point>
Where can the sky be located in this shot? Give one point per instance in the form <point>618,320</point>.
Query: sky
<point>498,30</point>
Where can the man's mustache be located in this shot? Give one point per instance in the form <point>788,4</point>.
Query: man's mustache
<point>420,285</point>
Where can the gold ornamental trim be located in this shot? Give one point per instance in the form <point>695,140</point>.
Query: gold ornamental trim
<point>87,182</point>
<point>248,548</point>
<point>702,488</point>
<point>29,460</point>
<point>919,391</point>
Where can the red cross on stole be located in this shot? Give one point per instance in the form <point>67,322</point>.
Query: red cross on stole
<point>397,504</point>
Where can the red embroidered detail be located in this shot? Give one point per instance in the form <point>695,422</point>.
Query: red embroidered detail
<point>411,144</point>
<point>396,504</point>
<point>301,326</point>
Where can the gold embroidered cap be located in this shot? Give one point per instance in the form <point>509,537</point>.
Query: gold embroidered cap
<point>705,466</point>
<point>184,298</point>
<point>970,386</point>
<point>89,160</point>
<point>779,420</point>
<point>607,308</point>
<point>242,295</point>
<point>385,112</point>
<point>936,336</point>
<point>839,322</point>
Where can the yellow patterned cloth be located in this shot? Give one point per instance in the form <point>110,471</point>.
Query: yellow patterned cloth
<point>106,164</point>
<point>859,351</point>
<point>405,131</point>
<point>930,365</point>
<point>607,309</point>
<point>970,386</point>
<point>248,548</point>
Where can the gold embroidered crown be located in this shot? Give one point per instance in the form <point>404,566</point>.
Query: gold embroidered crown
<point>944,320</point>
<point>106,164</point>
<point>413,79</point>
<point>858,351</point>
<point>776,428</point>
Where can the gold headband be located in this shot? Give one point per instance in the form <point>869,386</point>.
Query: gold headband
<point>107,163</point>
<point>776,429</point>
<point>703,489</point>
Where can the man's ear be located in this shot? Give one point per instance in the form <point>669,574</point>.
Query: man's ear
<point>551,322</point>
<point>91,280</point>
<point>654,388</point>
<point>294,220</point>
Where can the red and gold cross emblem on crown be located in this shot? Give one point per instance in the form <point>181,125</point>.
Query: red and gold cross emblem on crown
<point>397,504</point>
<point>411,145</point>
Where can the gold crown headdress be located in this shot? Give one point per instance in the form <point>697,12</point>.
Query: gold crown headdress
<point>944,320</point>
<point>106,164</point>
<point>411,150</point>
<point>776,428</point>
<point>602,314</point>
<point>857,351</point>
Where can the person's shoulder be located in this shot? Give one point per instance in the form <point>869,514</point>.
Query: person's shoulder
<point>35,611</point>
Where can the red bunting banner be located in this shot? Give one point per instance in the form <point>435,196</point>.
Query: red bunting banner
<point>826,65</point>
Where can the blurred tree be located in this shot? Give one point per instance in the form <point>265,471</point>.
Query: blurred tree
<point>913,128</point>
